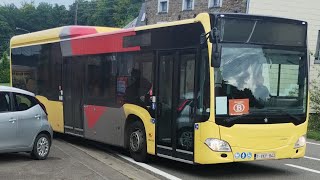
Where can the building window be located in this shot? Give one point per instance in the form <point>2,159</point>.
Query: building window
<point>215,3</point>
<point>163,6</point>
<point>187,5</point>
<point>317,54</point>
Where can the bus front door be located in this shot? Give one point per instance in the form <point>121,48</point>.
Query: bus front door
<point>175,93</point>
<point>73,82</point>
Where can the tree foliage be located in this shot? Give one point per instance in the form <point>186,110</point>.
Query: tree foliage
<point>4,69</point>
<point>30,17</point>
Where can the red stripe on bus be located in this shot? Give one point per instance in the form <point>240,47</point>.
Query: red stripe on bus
<point>101,44</point>
<point>81,30</point>
<point>93,114</point>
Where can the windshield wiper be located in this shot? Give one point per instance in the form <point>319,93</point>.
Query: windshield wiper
<point>286,113</point>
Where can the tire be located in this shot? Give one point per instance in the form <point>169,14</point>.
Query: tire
<point>186,139</point>
<point>137,142</point>
<point>41,147</point>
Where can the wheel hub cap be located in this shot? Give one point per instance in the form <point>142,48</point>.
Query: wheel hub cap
<point>43,147</point>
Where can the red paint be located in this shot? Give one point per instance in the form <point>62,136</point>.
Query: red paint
<point>93,113</point>
<point>102,43</point>
<point>76,31</point>
<point>180,108</point>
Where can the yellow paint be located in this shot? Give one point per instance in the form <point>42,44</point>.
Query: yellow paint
<point>55,113</point>
<point>277,138</point>
<point>106,29</point>
<point>144,115</point>
<point>40,37</point>
<point>46,36</point>
<point>168,24</point>
<point>10,67</point>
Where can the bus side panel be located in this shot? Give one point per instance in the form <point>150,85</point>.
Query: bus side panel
<point>104,124</point>
<point>149,126</point>
<point>55,113</point>
<point>107,124</point>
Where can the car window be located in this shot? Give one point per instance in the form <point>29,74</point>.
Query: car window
<point>5,105</point>
<point>24,102</point>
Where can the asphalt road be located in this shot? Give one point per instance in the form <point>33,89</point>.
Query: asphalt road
<point>75,158</point>
<point>69,161</point>
<point>307,168</point>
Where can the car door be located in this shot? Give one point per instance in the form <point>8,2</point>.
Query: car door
<point>29,119</point>
<point>8,123</point>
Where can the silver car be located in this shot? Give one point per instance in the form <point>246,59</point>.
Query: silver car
<point>24,126</point>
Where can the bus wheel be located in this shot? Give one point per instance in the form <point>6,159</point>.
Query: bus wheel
<point>185,138</point>
<point>137,142</point>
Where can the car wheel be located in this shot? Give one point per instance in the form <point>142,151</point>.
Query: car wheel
<point>137,142</point>
<point>41,147</point>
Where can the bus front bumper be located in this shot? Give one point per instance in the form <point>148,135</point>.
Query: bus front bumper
<point>207,156</point>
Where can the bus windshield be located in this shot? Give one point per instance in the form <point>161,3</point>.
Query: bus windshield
<point>270,78</point>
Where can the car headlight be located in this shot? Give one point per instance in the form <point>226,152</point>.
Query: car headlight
<point>218,145</point>
<point>301,142</point>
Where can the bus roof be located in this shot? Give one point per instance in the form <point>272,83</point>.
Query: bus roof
<point>56,34</point>
<point>256,16</point>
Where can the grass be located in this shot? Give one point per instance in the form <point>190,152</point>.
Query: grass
<point>314,127</point>
<point>313,135</point>
<point>4,84</point>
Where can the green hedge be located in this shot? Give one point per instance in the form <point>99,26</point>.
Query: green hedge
<point>314,127</point>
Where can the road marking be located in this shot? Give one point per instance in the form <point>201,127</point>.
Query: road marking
<point>317,144</point>
<point>316,159</point>
<point>150,168</point>
<point>304,168</point>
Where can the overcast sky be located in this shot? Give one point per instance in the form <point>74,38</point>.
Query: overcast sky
<point>18,2</point>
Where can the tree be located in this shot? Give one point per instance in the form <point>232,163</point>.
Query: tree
<point>5,69</point>
<point>125,11</point>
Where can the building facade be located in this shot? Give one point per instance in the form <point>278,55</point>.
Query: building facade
<point>158,11</point>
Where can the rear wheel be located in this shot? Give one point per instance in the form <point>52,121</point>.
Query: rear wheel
<point>41,147</point>
<point>137,142</point>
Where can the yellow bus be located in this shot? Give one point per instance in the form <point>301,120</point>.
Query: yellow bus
<point>218,88</point>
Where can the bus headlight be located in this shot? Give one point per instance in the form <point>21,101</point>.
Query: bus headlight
<point>218,145</point>
<point>301,142</point>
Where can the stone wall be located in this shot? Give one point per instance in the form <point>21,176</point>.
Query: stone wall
<point>175,11</point>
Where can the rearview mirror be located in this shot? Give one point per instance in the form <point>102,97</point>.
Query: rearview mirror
<point>216,56</point>
<point>216,49</point>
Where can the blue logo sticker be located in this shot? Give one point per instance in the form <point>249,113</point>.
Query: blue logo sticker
<point>243,155</point>
<point>153,106</point>
<point>237,155</point>
<point>249,155</point>
<point>196,126</point>
<point>153,120</point>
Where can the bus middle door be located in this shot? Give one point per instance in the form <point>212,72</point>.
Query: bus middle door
<point>175,94</point>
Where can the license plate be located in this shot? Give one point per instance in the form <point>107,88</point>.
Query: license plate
<point>261,156</point>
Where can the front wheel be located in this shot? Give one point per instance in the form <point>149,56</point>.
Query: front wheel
<point>137,142</point>
<point>41,147</point>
